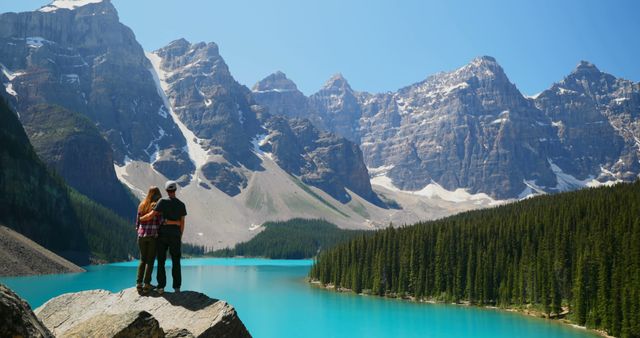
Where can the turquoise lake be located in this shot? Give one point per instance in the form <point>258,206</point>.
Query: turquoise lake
<point>273,300</point>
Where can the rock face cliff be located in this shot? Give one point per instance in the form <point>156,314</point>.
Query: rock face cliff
<point>219,111</point>
<point>338,108</point>
<point>71,145</point>
<point>228,124</point>
<point>99,312</point>
<point>471,128</point>
<point>596,118</point>
<point>282,97</point>
<point>17,319</point>
<point>319,158</point>
<point>85,60</point>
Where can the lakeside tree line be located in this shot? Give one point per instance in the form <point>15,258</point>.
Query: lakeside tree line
<point>579,251</point>
<point>293,239</point>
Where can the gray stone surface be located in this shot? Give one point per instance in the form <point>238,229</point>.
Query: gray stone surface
<point>192,311</point>
<point>21,256</point>
<point>319,158</point>
<point>595,116</point>
<point>282,97</point>
<point>122,325</point>
<point>218,110</point>
<point>16,317</point>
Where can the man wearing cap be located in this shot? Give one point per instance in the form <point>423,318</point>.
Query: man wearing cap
<point>173,212</point>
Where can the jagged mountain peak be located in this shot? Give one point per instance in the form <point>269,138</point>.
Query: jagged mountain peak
<point>337,82</point>
<point>586,78</point>
<point>72,4</point>
<point>484,59</point>
<point>210,48</point>
<point>183,46</point>
<point>586,67</point>
<point>277,81</point>
<point>179,43</point>
<point>482,67</point>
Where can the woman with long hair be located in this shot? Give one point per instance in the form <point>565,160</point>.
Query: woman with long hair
<point>147,235</point>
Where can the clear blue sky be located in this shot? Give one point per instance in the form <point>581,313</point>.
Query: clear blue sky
<point>384,45</point>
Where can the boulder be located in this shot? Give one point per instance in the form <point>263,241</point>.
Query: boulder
<point>128,324</point>
<point>185,314</point>
<point>16,317</point>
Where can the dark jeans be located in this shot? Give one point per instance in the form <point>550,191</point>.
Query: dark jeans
<point>147,246</point>
<point>169,238</point>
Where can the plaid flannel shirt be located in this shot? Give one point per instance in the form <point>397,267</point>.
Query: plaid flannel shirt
<point>150,227</point>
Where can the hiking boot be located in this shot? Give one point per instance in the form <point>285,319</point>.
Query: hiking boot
<point>147,288</point>
<point>160,290</point>
<point>139,287</point>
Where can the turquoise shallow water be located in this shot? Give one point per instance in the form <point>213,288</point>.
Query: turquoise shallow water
<point>273,300</point>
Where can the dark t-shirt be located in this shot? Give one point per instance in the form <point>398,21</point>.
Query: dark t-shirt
<point>171,209</point>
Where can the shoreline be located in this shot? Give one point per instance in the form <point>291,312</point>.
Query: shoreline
<point>520,311</point>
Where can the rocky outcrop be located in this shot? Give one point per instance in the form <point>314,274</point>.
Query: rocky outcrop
<point>282,97</point>
<point>595,116</point>
<point>178,314</point>
<point>338,108</point>
<point>319,158</point>
<point>128,324</point>
<point>17,319</point>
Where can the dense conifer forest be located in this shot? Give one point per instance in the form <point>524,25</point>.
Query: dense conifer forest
<point>38,204</point>
<point>577,252</point>
<point>293,239</point>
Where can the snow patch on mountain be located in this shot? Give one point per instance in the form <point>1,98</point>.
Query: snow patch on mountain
<point>36,41</point>
<point>9,89</point>
<point>568,182</point>
<point>259,141</point>
<point>67,4</point>
<point>531,190</point>
<point>434,190</point>
<point>9,74</point>
<point>379,171</point>
<point>198,155</point>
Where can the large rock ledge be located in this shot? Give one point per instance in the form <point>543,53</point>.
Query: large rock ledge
<point>129,314</point>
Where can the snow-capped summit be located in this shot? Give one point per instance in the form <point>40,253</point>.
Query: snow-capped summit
<point>68,4</point>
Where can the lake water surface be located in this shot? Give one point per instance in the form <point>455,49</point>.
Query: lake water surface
<point>273,300</point>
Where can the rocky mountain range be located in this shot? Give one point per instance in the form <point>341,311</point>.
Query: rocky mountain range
<point>101,113</point>
<point>472,129</point>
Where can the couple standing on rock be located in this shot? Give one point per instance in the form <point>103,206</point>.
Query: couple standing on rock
<point>160,225</point>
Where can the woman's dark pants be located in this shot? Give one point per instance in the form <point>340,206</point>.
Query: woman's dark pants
<point>147,247</point>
